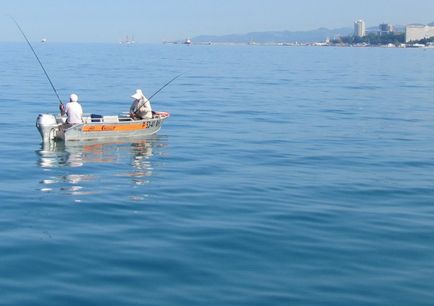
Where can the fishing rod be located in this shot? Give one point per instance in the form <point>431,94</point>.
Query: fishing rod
<point>165,86</point>
<point>39,61</point>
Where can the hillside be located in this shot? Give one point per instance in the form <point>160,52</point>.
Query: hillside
<point>320,34</point>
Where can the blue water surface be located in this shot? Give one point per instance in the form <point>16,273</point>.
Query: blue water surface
<point>284,176</point>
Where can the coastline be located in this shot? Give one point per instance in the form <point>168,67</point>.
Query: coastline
<point>307,44</point>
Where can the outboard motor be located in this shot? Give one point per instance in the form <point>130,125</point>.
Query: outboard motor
<point>47,126</point>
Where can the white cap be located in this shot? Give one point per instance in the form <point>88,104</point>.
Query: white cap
<point>138,95</point>
<point>73,98</point>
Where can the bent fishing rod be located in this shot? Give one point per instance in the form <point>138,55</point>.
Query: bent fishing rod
<point>39,61</point>
<point>164,86</point>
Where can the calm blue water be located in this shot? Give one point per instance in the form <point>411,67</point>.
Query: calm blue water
<point>285,176</point>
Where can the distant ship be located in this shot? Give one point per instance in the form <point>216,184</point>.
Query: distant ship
<point>43,40</point>
<point>127,40</point>
<point>176,42</point>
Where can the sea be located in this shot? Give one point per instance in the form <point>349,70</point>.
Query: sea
<point>284,176</point>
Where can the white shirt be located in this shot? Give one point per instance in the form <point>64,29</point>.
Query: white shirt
<point>141,108</point>
<point>74,112</point>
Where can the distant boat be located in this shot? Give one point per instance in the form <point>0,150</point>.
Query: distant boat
<point>417,46</point>
<point>43,40</point>
<point>127,40</point>
<point>187,41</point>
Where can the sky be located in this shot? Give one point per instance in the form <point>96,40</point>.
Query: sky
<point>166,20</point>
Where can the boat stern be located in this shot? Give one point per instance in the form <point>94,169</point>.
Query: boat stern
<point>47,126</point>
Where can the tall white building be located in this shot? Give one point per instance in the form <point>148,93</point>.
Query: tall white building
<point>359,28</point>
<point>414,32</point>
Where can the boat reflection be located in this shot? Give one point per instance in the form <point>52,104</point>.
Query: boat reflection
<point>79,168</point>
<point>59,154</point>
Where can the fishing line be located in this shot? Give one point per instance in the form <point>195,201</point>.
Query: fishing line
<point>164,86</point>
<point>49,79</point>
<point>39,61</point>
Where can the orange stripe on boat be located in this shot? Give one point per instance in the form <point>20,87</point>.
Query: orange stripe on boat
<point>115,127</point>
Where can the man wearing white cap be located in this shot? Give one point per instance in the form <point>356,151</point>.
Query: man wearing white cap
<point>141,107</point>
<point>73,110</point>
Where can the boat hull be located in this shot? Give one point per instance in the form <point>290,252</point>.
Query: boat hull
<point>107,127</point>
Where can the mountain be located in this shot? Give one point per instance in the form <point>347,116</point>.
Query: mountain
<point>317,35</point>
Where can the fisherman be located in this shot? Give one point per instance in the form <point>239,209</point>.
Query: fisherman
<point>141,107</point>
<point>73,110</point>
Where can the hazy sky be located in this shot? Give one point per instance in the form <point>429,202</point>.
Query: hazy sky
<point>158,20</point>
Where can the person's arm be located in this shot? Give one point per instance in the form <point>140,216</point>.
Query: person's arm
<point>81,113</point>
<point>134,109</point>
<point>62,109</point>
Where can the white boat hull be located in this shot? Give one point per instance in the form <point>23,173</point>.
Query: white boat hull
<point>107,127</point>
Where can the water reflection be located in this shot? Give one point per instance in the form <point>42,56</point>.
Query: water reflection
<point>141,162</point>
<point>82,168</point>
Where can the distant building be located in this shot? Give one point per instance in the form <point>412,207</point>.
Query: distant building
<point>415,32</point>
<point>386,28</point>
<point>359,28</point>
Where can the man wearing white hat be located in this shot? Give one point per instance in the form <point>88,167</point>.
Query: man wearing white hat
<point>141,107</point>
<point>73,110</point>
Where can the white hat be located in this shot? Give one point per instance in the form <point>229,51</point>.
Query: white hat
<point>138,95</point>
<point>73,98</point>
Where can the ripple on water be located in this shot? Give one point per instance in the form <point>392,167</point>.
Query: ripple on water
<point>273,182</point>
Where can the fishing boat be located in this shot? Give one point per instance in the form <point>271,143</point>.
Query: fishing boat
<point>55,128</point>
